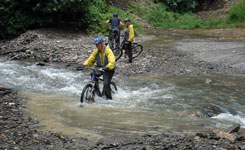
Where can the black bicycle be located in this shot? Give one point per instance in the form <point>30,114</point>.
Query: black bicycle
<point>91,89</point>
<point>136,50</point>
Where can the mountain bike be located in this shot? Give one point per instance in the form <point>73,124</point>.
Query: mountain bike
<point>136,50</point>
<point>92,89</point>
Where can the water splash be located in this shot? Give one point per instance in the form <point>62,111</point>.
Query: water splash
<point>231,118</point>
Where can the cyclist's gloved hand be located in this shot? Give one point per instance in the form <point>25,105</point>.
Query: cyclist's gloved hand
<point>126,42</point>
<point>104,68</point>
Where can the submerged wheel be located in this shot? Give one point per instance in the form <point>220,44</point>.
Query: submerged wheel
<point>136,50</point>
<point>113,87</point>
<point>117,52</point>
<point>87,94</point>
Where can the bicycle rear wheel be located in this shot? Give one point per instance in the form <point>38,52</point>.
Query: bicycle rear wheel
<point>136,50</point>
<point>118,53</point>
<point>87,94</point>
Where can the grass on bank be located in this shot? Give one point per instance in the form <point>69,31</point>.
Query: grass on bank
<point>158,16</point>
<point>236,16</point>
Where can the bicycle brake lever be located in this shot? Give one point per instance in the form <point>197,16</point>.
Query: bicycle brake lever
<point>101,69</point>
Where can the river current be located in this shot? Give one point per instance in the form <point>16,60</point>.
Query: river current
<point>142,104</point>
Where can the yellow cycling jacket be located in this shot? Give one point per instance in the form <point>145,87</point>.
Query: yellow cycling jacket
<point>102,59</point>
<point>131,33</point>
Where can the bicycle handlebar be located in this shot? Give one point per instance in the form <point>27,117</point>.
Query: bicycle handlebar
<point>97,69</point>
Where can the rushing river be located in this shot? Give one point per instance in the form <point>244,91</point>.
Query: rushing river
<point>143,104</point>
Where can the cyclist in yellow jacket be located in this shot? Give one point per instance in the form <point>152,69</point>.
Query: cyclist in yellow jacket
<point>104,58</point>
<point>129,38</point>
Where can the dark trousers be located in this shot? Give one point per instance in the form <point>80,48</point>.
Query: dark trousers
<point>107,76</point>
<point>114,36</point>
<point>129,50</point>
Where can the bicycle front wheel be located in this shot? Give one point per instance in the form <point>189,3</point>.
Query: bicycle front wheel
<point>136,50</point>
<point>87,94</point>
<point>118,53</point>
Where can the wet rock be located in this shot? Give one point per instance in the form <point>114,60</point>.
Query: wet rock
<point>225,135</point>
<point>208,81</point>
<point>100,142</point>
<point>40,64</point>
<point>233,129</point>
<point>4,91</point>
<point>115,144</point>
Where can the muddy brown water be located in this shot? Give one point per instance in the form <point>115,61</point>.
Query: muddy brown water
<point>143,104</point>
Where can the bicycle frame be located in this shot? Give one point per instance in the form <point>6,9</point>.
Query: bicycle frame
<point>95,83</point>
<point>122,46</point>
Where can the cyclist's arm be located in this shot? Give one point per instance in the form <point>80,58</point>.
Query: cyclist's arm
<point>107,24</point>
<point>121,25</point>
<point>131,34</point>
<point>111,60</point>
<point>91,60</point>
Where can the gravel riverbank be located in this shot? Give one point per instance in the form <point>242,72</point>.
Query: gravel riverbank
<point>182,53</point>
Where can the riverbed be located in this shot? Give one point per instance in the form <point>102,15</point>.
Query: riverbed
<point>142,104</point>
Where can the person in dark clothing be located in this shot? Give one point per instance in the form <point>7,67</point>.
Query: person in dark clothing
<point>105,59</point>
<point>116,26</point>
<point>129,38</point>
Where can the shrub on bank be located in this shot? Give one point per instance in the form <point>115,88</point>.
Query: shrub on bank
<point>18,16</point>
<point>158,16</point>
<point>237,13</point>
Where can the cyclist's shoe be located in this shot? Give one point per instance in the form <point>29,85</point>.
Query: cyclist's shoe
<point>129,62</point>
<point>125,54</point>
<point>104,97</point>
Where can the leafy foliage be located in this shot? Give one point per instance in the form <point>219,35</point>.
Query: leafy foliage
<point>237,13</point>
<point>185,5</point>
<point>18,16</point>
<point>182,5</point>
<point>158,16</point>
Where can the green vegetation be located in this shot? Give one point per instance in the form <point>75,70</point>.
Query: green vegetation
<point>182,5</point>
<point>18,16</point>
<point>158,16</point>
<point>185,5</point>
<point>89,15</point>
<point>237,14</point>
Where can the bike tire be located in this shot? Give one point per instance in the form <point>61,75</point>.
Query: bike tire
<point>87,90</point>
<point>118,53</point>
<point>113,87</point>
<point>137,50</point>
